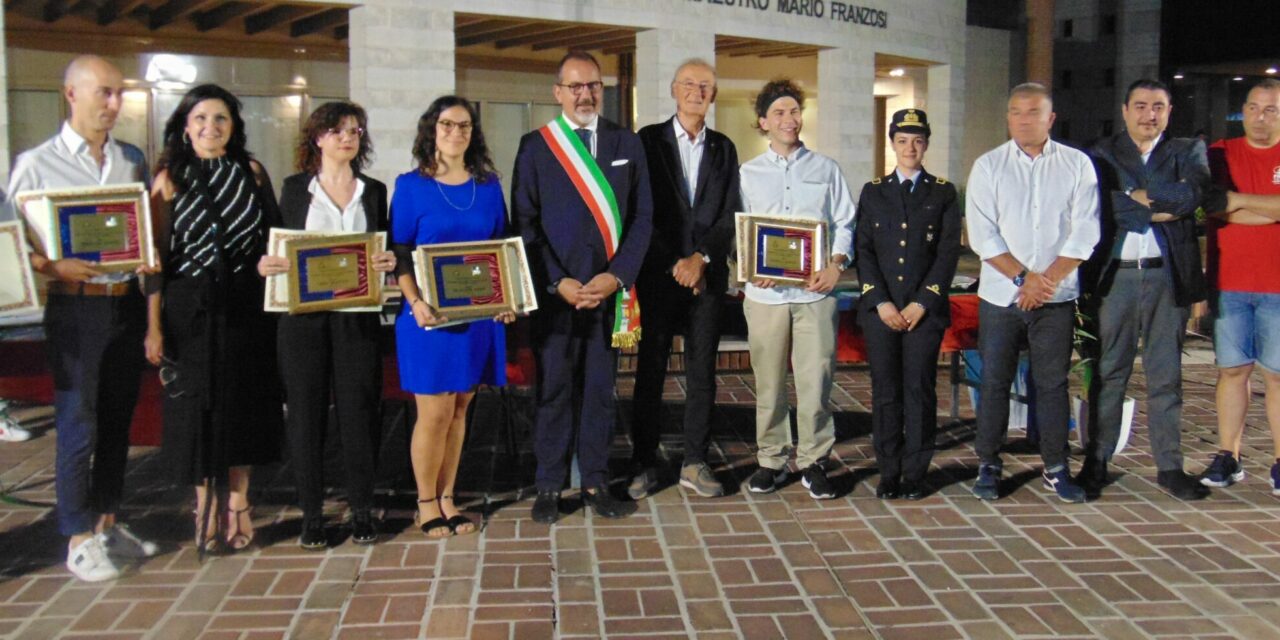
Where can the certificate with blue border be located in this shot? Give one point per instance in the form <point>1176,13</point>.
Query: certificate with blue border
<point>333,272</point>
<point>109,226</point>
<point>785,250</point>
<point>469,281</point>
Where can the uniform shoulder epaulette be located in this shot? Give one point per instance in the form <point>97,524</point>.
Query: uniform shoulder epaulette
<point>942,180</point>
<point>875,181</point>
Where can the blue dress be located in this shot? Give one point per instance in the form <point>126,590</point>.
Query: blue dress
<point>456,358</point>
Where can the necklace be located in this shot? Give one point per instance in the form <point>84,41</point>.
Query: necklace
<point>450,202</point>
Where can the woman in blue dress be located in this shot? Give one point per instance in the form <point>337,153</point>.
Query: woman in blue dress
<point>453,196</point>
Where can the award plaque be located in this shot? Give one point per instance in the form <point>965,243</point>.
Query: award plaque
<point>468,281</point>
<point>276,294</point>
<point>333,272</point>
<point>785,250</point>
<point>109,226</point>
<point>17,283</point>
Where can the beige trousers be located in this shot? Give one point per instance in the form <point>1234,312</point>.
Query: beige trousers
<point>806,332</point>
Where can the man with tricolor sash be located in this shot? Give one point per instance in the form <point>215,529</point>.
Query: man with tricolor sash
<point>580,197</point>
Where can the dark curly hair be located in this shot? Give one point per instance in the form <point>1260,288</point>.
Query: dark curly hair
<point>476,159</point>
<point>329,116</point>
<point>178,155</point>
<point>774,89</point>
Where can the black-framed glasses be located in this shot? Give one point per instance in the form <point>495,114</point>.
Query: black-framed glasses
<point>354,132</point>
<point>576,87</point>
<point>463,127</point>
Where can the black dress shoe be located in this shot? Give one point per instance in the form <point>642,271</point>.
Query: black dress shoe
<point>313,537</point>
<point>546,509</point>
<point>1093,476</point>
<point>363,529</point>
<point>888,490</point>
<point>605,505</point>
<point>913,490</point>
<point>1178,484</point>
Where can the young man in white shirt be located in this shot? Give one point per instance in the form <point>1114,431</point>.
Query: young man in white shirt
<point>1032,210</point>
<point>789,180</point>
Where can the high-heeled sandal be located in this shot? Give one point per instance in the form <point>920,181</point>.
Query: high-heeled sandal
<point>456,523</point>
<point>237,538</point>
<point>207,539</point>
<point>434,524</point>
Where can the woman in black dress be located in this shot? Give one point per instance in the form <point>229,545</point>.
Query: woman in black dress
<point>223,410</point>
<point>333,353</point>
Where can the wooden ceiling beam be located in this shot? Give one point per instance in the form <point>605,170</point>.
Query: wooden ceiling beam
<point>318,22</point>
<point>53,10</point>
<point>584,41</point>
<point>622,48</point>
<point>222,14</point>
<point>509,32</point>
<point>177,9</point>
<point>487,27</point>
<point>792,53</point>
<point>273,17</point>
<point>537,36</point>
<point>342,32</point>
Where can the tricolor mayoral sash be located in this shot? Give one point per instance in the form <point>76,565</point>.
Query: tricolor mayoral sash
<point>587,178</point>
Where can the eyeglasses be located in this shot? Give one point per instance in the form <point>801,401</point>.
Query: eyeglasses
<point>463,127</point>
<point>354,132</point>
<point>702,87</point>
<point>576,87</point>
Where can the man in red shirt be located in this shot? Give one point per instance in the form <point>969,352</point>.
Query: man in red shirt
<point>1244,268</point>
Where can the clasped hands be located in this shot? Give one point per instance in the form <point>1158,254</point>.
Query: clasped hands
<point>820,281</point>
<point>589,295</point>
<point>1036,290</point>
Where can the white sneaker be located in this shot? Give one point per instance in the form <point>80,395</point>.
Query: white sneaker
<point>11,432</point>
<point>119,540</point>
<point>89,562</point>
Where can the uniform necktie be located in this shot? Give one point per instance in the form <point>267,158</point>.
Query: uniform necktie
<point>585,135</point>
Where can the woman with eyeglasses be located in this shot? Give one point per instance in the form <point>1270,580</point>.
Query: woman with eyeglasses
<point>223,411</point>
<point>333,353</point>
<point>452,196</point>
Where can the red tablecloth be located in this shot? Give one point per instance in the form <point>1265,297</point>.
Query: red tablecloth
<point>961,335</point>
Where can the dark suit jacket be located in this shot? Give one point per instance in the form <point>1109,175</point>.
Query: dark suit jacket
<point>906,248</point>
<point>559,233</point>
<point>1176,179</point>
<point>681,227</point>
<point>295,201</point>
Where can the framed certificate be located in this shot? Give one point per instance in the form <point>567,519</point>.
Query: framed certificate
<point>333,272</point>
<point>467,281</point>
<point>109,226</point>
<point>17,282</point>
<point>276,292</point>
<point>785,250</point>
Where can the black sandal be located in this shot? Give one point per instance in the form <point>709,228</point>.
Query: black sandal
<point>459,521</point>
<point>434,524</point>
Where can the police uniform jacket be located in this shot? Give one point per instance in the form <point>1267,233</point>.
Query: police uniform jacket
<point>906,245</point>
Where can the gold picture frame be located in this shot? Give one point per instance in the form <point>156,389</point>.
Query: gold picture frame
<point>783,249</point>
<point>18,292</point>
<point>333,272</point>
<point>275,293</point>
<point>110,226</point>
<point>468,281</point>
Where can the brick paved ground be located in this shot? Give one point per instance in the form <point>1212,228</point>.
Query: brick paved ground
<point>1134,564</point>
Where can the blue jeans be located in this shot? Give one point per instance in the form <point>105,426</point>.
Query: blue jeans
<point>1246,329</point>
<point>96,355</point>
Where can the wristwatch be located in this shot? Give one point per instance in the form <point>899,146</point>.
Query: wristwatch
<point>1021,278</point>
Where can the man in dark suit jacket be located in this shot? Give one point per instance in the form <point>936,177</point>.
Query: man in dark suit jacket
<point>564,176</point>
<point>1142,280</point>
<point>694,178</point>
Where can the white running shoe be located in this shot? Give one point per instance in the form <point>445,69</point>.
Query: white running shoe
<point>11,432</point>
<point>89,562</point>
<point>120,541</point>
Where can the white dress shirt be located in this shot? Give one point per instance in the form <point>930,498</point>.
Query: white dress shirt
<point>690,154</point>
<point>1142,245</point>
<point>325,215</point>
<point>590,126</point>
<point>63,162</point>
<point>805,185</point>
<point>1036,209</point>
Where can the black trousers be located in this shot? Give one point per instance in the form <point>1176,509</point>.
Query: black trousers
<point>904,395</point>
<point>1002,330</point>
<point>575,390</point>
<point>324,355</point>
<point>666,308</point>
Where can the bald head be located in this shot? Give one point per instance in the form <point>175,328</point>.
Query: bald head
<point>94,89</point>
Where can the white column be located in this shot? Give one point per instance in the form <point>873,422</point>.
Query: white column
<point>4,112</point>
<point>946,120</point>
<point>846,93</point>
<point>402,58</point>
<point>658,53</point>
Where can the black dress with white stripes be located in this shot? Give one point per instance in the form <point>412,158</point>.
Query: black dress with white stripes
<point>225,408</point>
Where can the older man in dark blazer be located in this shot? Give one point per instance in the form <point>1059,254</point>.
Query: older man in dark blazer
<point>580,197</point>
<point>1142,280</point>
<point>694,178</point>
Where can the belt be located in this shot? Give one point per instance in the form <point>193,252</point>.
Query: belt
<point>111,289</point>
<point>1145,263</point>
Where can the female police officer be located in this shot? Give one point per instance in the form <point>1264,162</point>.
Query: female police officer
<point>908,241</point>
